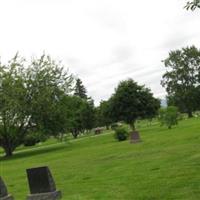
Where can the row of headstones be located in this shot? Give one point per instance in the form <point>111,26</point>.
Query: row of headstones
<point>41,185</point>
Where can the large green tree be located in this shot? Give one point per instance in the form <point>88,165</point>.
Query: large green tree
<point>182,79</point>
<point>30,97</point>
<point>132,101</point>
<point>47,84</point>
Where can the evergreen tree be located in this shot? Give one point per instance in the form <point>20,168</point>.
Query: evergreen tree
<point>80,89</point>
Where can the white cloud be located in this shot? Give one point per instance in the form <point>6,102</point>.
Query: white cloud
<point>102,41</point>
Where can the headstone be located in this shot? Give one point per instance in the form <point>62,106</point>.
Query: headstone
<point>135,137</point>
<point>98,131</point>
<point>41,184</point>
<point>3,191</point>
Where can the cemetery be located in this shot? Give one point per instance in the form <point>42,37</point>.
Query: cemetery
<point>100,100</point>
<point>163,165</point>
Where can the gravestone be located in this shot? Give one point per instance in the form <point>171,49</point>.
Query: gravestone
<point>135,137</point>
<point>41,184</point>
<point>3,191</point>
<point>98,131</point>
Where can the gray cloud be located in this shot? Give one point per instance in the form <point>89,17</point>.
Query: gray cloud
<point>122,53</point>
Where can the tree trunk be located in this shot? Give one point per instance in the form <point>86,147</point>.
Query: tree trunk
<point>8,150</point>
<point>190,114</point>
<point>132,125</point>
<point>75,134</point>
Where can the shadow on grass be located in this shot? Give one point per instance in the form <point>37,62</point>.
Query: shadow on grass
<point>37,151</point>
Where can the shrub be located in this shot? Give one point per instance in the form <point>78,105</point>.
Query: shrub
<point>121,133</point>
<point>32,139</point>
<point>168,116</point>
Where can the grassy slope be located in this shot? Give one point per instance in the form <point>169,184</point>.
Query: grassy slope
<point>165,165</point>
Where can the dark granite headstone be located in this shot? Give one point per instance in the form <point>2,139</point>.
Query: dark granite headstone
<point>3,191</point>
<point>41,184</point>
<point>134,137</point>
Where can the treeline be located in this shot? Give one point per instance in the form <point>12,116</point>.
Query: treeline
<point>39,99</point>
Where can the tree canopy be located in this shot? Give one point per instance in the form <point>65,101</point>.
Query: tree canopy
<point>30,96</point>
<point>103,113</point>
<point>80,114</point>
<point>131,101</point>
<point>182,79</point>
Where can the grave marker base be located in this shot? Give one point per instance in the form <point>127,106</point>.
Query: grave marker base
<point>45,196</point>
<point>9,197</point>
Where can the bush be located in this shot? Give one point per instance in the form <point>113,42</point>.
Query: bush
<point>32,139</point>
<point>121,133</point>
<point>168,116</point>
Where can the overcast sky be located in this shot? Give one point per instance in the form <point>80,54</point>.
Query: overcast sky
<point>101,41</point>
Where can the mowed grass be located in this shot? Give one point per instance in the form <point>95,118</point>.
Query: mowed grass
<point>165,165</point>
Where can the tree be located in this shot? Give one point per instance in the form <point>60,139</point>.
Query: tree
<point>75,108</point>
<point>182,79</point>
<point>131,101</point>
<point>168,116</point>
<point>13,115</point>
<point>192,5</point>
<point>88,114</point>
<point>80,90</point>
<point>30,99</point>
<point>104,114</point>
<point>47,84</point>
<point>79,114</point>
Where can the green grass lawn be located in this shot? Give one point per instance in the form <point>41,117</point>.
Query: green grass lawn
<point>165,165</point>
